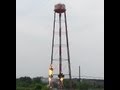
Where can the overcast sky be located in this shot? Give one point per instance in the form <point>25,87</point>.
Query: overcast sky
<point>34,24</point>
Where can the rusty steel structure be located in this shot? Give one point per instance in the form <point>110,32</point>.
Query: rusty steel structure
<point>60,10</point>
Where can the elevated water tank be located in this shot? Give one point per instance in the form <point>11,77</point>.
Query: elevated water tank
<point>59,8</point>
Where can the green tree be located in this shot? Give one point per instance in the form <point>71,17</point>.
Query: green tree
<point>45,87</point>
<point>37,80</point>
<point>38,87</point>
<point>26,79</point>
<point>83,86</point>
<point>23,81</point>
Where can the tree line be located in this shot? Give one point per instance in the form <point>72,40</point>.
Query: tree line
<point>36,83</point>
<point>27,83</point>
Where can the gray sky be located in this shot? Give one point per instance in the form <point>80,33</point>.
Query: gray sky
<point>34,21</point>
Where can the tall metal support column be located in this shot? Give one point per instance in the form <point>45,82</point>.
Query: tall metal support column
<point>69,64</point>
<point>60,51</point>
<point>53,38</point>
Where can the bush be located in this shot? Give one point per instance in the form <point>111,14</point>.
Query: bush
<point>45,88</point>
<point>38,87</point>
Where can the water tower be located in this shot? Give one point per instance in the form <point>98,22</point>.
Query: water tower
<point>60,48</point>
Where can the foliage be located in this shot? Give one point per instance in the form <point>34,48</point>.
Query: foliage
<point>45,88</point>
<point>27,83</point>
<point>37,80</point>
<point>38,87</point>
